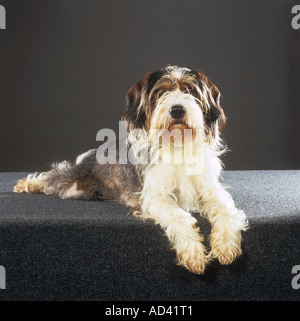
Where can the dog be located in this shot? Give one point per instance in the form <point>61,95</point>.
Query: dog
<point>173,183</point>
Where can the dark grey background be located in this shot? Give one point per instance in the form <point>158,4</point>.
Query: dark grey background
<point>65,68</point>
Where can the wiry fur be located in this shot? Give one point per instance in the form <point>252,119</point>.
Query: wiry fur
<point>172,182</point>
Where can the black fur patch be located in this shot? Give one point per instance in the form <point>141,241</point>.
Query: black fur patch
<point>154,77</point>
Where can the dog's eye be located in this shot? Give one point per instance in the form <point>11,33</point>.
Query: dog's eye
<point>188,89</point>
<point>161,92</point>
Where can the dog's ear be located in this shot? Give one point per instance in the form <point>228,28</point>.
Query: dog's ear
<point>136,104</point>
<point>214,113</point>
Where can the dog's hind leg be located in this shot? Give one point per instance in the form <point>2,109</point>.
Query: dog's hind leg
<point>33,183</point>
<point>63,180</point>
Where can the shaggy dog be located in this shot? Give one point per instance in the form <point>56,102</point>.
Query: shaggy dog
<point>173,119</point>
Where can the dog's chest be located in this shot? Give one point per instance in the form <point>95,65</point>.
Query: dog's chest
<point>187,193</point>
<point>173,184</point>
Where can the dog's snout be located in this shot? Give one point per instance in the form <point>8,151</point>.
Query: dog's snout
<point>177,111</point>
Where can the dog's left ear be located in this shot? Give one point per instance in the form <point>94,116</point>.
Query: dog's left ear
<point>136,101</point>
<point>215,113</point>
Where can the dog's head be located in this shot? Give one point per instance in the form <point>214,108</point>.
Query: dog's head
<point>175,97</point>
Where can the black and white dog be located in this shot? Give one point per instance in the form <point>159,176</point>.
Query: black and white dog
<point>166,110</point>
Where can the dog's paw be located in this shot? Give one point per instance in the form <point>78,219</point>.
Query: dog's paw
<point>31,184</point>
<point>21,186</point>
<point>226,251</point>
<point>193,257</point>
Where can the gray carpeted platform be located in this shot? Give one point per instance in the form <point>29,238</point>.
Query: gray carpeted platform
<point>56,249</point>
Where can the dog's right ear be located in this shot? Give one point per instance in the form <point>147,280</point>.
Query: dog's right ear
<point>136,105</point>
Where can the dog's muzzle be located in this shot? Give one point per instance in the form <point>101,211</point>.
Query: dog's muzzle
<point>177,112</point>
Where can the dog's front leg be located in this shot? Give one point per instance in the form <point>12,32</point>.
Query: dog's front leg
<point>227,223</point>
<point>181,231</point>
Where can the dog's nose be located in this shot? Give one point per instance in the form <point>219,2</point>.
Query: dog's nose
<point>177,111</point>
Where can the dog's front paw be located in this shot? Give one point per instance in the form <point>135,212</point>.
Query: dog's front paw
<point>193,257</point>
<point>226,250</point>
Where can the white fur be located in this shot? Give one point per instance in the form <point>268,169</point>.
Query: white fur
<point>170,193</point>
<point>72,192</point>
<point>80,158</point>
<point>180,176</point>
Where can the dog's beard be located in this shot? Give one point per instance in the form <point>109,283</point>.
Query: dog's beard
<point>177,141</point>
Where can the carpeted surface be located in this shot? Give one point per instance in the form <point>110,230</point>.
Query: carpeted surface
<point>56,249</point>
